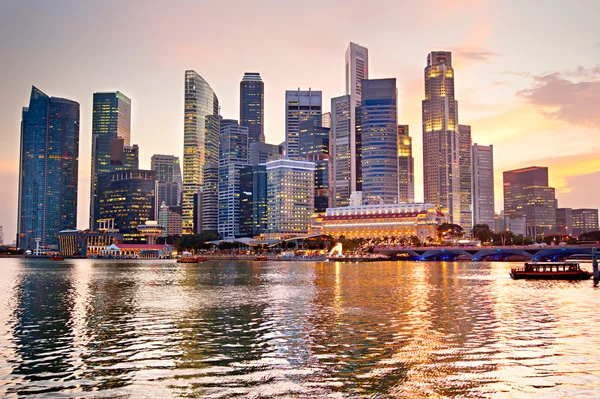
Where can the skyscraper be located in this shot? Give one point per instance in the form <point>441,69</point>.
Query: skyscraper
<point>526,194</point>
<point>263,152</point>
<point>564,220</point>
<point>300,105</point>
<point>466,179</point>
<point>379,116</point>
<point>357,69</point>
<point>48,167</point>
<point>111,141</point>
<point>314,147</point>
<point>406,167</point>
<point>584,220</point>
<point>208,201</point>
<point>252,106</point>
<point>169,184</point>
<point>483,184</point>
<point>441,172</point>
<point>200,139</point>
<point>326,120</point>
<point>233,156</point>
<point>340,153</point>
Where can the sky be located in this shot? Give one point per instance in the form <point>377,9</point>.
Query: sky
<point>527,73</point>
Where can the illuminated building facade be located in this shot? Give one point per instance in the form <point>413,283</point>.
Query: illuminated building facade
<point>290,197</point>
<point>207,203</point>
<point>585,220</point>
<point>314,147</point>
<point>48,167</point>
<point>260,203</point>
<point>170,219</point>
<point>200,139</point>
<point>466,177</point>
<point>379,120</point>
<point>340,154</point>
<point>483,184</point>
<point>78,243</point>
<point>246,201</point>
<point>406,167</point>
<point>527,195</point>
<point>252,106</point>
<point>383,220</point>
<point>263,152</point>
<point>441,171</point>
<point>326,120</point>
<point>300,106</point>
<point>169,183</point>
<point>564,220</point>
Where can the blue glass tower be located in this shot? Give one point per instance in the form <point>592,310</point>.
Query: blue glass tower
<point>252,106</point>
<point>48,169</point>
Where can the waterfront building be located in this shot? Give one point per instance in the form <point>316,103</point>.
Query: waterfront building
<point>252,106</point>
<point>406,167</point>
<point>48,166</point>
<point>585,220</point>
<point>79,243</point>
<point>314,147</point>
<point>290,197</point>
<point>111,142</point>
<point>466,177</point>
<point>300,106</point>
<point>564,220</point>
<point>340,153</point>
<point>233,156</point>
<point>527,195</point>
<point>357,70</point>
<point>384,220</point>
<point>171,220</point>
<point>441,170</point>
<point>379,114</point>
<point>200,139</point>
<point>483,184</point>
<point>263,152</point>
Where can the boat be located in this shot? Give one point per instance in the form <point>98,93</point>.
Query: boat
<point>191,259</point>
<point>56,257</point>
<point>261,258</point>
<point>550,271</point>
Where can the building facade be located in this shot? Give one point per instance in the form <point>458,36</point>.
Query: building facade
<point>483,184</point>
<point>170,219</point>
<point>340,153</point>
<point>441,171</point>
<point>300,106</point>
<point>314,147</point>
<point>207,201</point>
<point>585,220</point>
<point>48,167</point>
<point>169,183</point>
<point>290,197</point>
<point>406,167</point>
<point>564,220</point>
<point>260,203</point>
<point>263,153</point>
<point>200,139</point>
<point>466,177</point>
<point>252,106</point>
<point>379,121</point>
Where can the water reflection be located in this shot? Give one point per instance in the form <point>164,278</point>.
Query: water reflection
<point>250,329</point>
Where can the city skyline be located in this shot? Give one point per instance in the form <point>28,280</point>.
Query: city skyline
<point>482,65</point>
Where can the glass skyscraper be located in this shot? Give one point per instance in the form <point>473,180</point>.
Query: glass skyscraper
<point>169,184</point>
<point>340,154</point>
<point>406,167</point>
<point>48,169</point>
<point>300,106</point>
<point>252,106</point>
<point>465,162</point>
<point>314,147</point>
<point>483,184</point>
<point>200,139</point>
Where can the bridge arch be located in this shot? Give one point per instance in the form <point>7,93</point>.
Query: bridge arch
<point>445,254</point>
<point>484,254</point>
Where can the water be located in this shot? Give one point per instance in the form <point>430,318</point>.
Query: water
<point>86,328</point>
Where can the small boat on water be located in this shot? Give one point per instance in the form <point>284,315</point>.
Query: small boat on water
<point>56,257</point>
<point>550,271</point>
<point>261,258</point>
<point>191,259</point>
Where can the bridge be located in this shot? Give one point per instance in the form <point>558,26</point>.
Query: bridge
<point>535,253</point>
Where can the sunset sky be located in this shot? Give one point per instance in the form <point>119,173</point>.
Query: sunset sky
<point>527,73</point>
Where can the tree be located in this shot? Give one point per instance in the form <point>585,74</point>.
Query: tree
<point>449,230</point>
<point>482,232</point>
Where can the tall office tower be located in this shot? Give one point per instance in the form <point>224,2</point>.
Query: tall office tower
<point>246,201</point>
<point>127,197</point>
<point>263,152</point>
<point>406,167</point>
<point>340,153</point>
<point>379,116</point>
<point>300,105</point>
<point>252,106</point>
<point>259,199</point>
<point>208,201</point>
<point>200,139</point>
<point>357,69</point>
<point>314,147</point>
<point>290,196</point>
<point>233,156</point>
<point>326,120</point>
<point>466,180</point>
<point>111,141</point>
<point>49,162</point>
<point>169,184</point>
<point>564,220</point>
<point>483,184</point>
<point>441,170</point>
<point>171,220</point>
<point>527,195</point>
<point>585,220</point>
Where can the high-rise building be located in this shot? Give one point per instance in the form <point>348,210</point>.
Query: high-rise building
<point>263,152</point>
<point>252,106</point>
<point>466,178</point>
<point>169,184</point>
<point>564,220</point>
<point>207,201</point>
<point>441,171</point>
<point>259,199</point>
<point>290,196</point>
<point>379,116</point>
<point>585,220</point>
<point>406,167</point>
<point>200,139</point>
<point>483,184</point>
<point>48,167</point>
<point>357,69</point>
<point>300,105</point>
<point>171,220</point>
<point>233,156</point>
<point>1,236</point>
<point>526,194</point>
<point>326,120</point>
<point>111,142</point>
<point>340,153</point>
<point>246,201</point>
<point>314,147</point>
